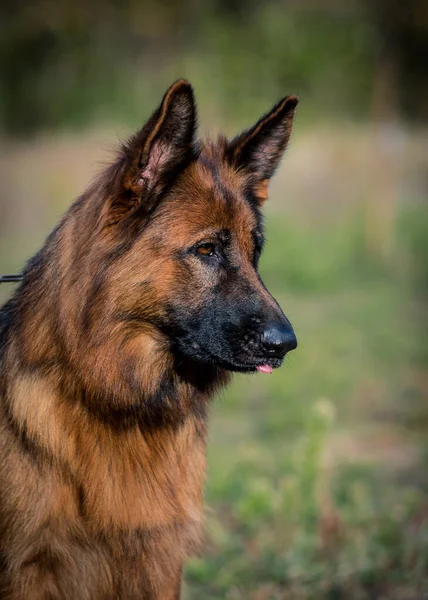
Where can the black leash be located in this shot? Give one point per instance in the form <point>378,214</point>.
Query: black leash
<point>10,278</point>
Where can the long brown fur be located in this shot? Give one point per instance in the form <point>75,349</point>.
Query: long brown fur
<point>102,430</point>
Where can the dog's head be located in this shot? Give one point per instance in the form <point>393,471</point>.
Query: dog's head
<point>180,230</point>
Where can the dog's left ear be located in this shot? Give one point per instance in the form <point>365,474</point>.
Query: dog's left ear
<point>258,150</point>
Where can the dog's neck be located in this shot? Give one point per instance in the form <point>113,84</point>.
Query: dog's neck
<point>126,470</point>
<point>180,393</point>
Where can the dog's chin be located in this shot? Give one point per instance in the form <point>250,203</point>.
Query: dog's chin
<point>251,366</point>
<point>236,364</point>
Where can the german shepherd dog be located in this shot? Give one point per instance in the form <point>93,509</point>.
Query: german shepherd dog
<point>138,307</point>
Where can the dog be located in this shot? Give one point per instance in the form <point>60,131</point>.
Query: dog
<point>139,306</point>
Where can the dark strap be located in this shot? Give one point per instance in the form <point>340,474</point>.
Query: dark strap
<point>10,278</point>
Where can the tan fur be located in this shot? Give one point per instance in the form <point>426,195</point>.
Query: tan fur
<point>261,190</point>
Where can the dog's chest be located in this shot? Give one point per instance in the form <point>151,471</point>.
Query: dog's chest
<point>145,480</point>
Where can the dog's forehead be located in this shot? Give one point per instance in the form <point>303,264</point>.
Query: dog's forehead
<point>212,194</point>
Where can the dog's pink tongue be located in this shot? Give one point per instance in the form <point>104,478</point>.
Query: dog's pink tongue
<point>264,369</point>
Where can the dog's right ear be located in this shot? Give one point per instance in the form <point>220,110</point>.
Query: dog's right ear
<point>154,156</point>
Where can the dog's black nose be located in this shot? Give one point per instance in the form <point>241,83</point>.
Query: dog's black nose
<point>278,339</point>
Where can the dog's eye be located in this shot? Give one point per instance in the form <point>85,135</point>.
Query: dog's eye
<point>206,249</point>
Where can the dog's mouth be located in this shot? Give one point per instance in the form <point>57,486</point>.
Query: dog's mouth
<point>241,362</point>
<point>260,365</point>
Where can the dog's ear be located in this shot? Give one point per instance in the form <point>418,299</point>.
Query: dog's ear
<point>154,156</point>
<point>258,150</point>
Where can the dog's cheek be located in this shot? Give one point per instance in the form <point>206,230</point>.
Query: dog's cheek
<point>194,284</point>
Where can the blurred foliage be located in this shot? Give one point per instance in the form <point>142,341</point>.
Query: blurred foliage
<point>66,63</point>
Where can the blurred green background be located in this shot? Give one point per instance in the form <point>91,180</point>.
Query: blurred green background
<point>317,482</point>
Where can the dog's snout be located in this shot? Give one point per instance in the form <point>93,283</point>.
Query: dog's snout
<point>278,339</point>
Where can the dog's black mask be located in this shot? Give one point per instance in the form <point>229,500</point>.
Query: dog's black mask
<point>240,329</point>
